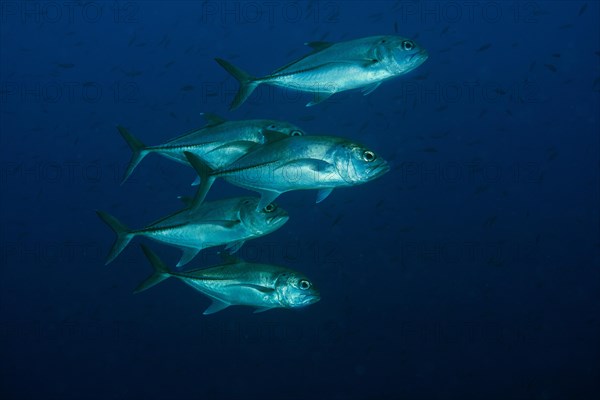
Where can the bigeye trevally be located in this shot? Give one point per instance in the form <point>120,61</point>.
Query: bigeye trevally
<point>238,283</point>
<point>322,163</point>
<point>227,222</point>
<point>218,143</point>
<point>335,67</point>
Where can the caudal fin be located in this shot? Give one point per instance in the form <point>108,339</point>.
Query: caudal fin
<point>161,272</point>
<point>137,147</point>
<point>206,178</point>
<point>247,82</point>
<point>124,236</point>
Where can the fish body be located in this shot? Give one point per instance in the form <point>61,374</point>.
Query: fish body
<point>239,283</point>
<point>218,143</point>
<point>225,222</point>
<point>337,67</point>
<point>296,163</point>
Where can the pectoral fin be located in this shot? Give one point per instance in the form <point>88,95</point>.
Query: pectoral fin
<point>370,88</point>
<point>262,289</point>
<point>311,163</point>
<point>319,97</point>
<point>234,246</point>
<point>323,194</point>
<point>242,146</point>
<point>215,307</point>
<point>188,254</point>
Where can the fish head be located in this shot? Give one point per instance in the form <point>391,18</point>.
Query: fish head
<point>294,290</point>
<point>400,55</point>
<point>275,130</point>
<point>269,219</point>
<point>357,164</point>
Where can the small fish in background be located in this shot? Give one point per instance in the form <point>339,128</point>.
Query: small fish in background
<point>556,55</point>
<point>187,88</point>
<point>552,153</point>
<point>320,163</point>
<point>218,143</point>
<point>484,47</point>
<point>227,222</point>
<point>550,67</point>
<point>66,65</point>
<point>490,222</point>
<point>238,283</point>
<point>582,9</point>
<point>336,67</point>
<point>566,26</point>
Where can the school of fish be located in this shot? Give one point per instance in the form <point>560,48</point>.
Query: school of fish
<point>268,157</point>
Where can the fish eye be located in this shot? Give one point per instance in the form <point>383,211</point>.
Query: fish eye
<point>368,156</point>
<point>304,284</point>
<point>295,132</point>
<point>272,126</point>
<point>408,45</point>
<point>270,208</point>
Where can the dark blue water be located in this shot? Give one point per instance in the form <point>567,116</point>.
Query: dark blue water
<point>469,271</point>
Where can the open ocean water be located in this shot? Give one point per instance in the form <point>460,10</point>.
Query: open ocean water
<point>471,270</point>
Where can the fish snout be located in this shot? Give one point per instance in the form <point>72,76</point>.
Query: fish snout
<point>376,171</point>
<point>278,219</point>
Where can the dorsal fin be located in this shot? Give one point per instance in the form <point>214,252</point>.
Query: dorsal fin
<point>318,46</point>
<point>213,119</point>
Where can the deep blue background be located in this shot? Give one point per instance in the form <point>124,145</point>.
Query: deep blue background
<point>471,270</point>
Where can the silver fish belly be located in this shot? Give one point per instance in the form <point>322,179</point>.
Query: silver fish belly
<point>236,282</point>
<point>296,163</point>
<point>225,222</point>
<point>336,67</point>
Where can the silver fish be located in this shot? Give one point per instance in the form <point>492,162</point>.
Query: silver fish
<point>295,163</point>
<point>225,222</point>
<point>218,143</point>
<point>335,67</point>
<point>238,283</point>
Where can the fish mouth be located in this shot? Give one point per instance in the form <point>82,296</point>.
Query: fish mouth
<point>422,55</point>
<point>378,170</point>
<point>280,219</point>
<point>311,299</point>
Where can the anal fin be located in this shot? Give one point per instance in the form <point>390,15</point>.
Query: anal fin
<point>216,306</point>
<point>319,97</point>
<point>188,254</point>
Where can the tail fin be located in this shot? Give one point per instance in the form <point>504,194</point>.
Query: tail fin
<point>161,272</point>
<point>247,83</point>
<point>124,236</point>
<point>138,148</point>
<point>207,178</point>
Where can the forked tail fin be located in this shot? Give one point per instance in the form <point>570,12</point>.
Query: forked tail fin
<point>137,147</point>
<point>124,235</point>
<point>247,82</point>
<point>161,272</point>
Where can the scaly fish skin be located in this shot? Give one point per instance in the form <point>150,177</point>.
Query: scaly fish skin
<point>296,163</point>
<point>219,143</point>
<point>225,222</point>
<point>337,67</point>
<point>239,283</point>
